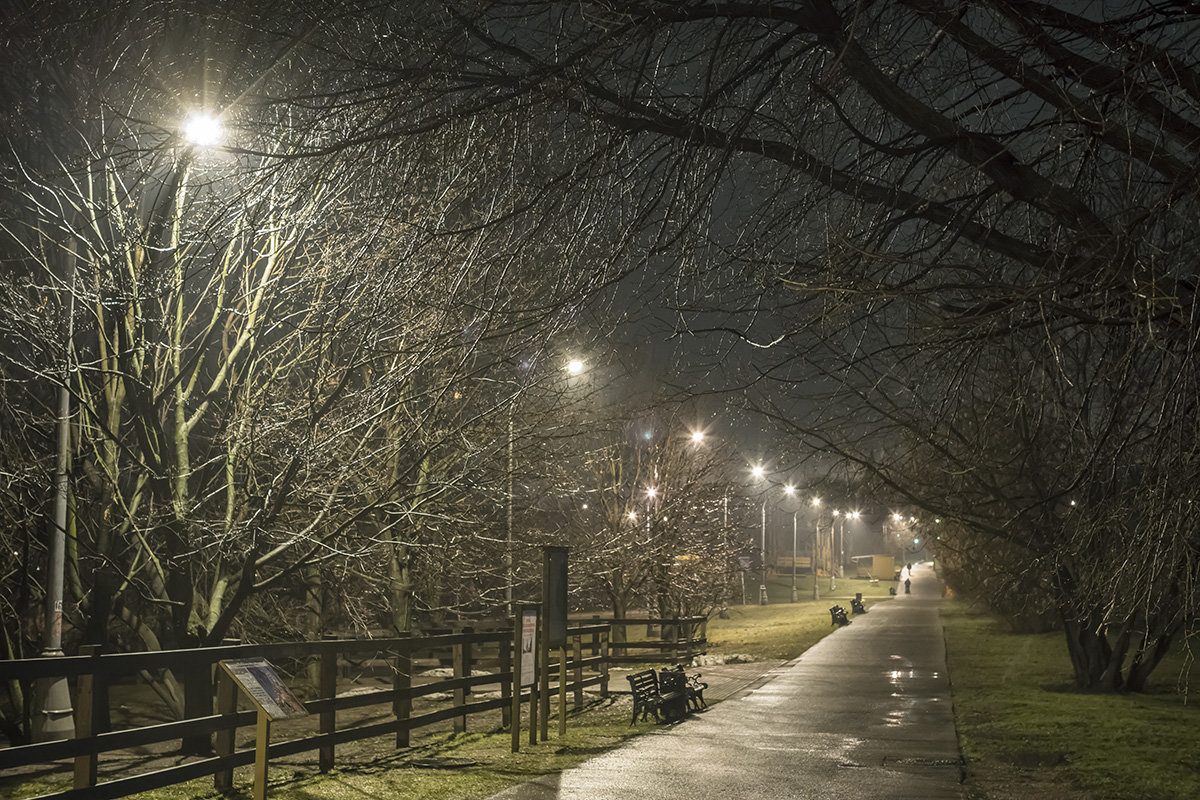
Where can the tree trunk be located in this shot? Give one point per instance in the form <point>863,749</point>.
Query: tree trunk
<point>400,589</point>
<point>313,616</point>
<point>1097,668</point>
<point>620,609</point>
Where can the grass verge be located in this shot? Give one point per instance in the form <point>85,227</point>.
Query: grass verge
<point>782,629</point>
<point>477,765</point>
<point>1024,730</point>
<point>463,767</point>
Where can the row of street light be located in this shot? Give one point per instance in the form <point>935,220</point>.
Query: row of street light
<point>759,472</point>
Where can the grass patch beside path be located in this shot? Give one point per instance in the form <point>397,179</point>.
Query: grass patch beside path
<point>1023,730</point>
<point>782,629</point>
<point>370,769</point>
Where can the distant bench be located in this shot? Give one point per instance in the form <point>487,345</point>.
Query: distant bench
<point>671,692</point>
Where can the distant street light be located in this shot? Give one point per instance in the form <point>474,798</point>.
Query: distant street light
<point>816,589</point>
<point>759,472</point>
<point>697,436</point>
<point>790,490</point>
<point>573,367</point>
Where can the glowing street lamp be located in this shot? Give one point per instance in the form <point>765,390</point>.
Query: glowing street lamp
<point>790,490</point>
<point>203,130</point>
<point>573,367</point>
<point>758,472</point>
<point>816,589</point>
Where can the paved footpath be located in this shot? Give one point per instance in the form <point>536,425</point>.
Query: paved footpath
<point>864,714</point>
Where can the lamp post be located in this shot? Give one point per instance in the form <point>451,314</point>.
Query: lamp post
<point>758,472</point>
<point>816,589</point>
<point>53,716</point>
<point>791,490</point>
<point>573,367</point>
<point>842,541</point>
<point>762,587</point>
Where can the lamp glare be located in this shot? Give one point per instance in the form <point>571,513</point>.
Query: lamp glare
<point>202,130</point>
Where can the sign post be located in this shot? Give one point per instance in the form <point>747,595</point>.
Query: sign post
<point>258,681</point>
<point>554,623</point>
<point>524,671</point>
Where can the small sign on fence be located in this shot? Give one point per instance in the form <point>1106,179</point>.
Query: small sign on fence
<point>529,621</point>
<point>258,679</point>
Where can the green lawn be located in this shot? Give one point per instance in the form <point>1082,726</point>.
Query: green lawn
<point>1023,729</point>
<point>782,629</point>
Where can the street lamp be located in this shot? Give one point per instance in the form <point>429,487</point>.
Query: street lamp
<point>842,542</point>
<point>573,367</point>
<point>54,717</point>
<point>203,130</point>
<point>833,568</point>
<point>759,472</point>
<point>791,490</point>
<point>816,589</point>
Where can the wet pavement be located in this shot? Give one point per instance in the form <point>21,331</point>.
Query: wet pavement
<point>863,714</point>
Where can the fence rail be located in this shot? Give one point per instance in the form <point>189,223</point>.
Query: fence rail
<point>591,650</point>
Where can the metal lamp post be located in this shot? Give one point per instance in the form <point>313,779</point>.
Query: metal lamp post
<point>816,589</point>
<point>573,367</point>
<point>795,596</point>
<point>762,588</point>
<point>791,490</point>
<point>54,717</point>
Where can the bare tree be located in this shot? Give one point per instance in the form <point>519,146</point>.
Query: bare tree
<point>889,200</point>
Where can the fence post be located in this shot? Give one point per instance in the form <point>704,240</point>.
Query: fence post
<point>197,679</point>
<point>402,686</point>
<point>327,677</point>
<point>227,733</point>
<point>460,694</point>
<point>86,699</point>
<point>604,654</point>
<point>562,691</point>
<point>578,642</point>
<point>506,665</point>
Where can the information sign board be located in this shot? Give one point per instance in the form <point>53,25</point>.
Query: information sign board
<point>258,679</point>
<point>529,620</point>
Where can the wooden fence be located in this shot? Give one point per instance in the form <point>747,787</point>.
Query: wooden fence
<point>677,640</point>
<point>589,657</point>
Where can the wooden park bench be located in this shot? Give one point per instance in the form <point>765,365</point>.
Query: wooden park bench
<point>651,696</point>
<point>693,687</point>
